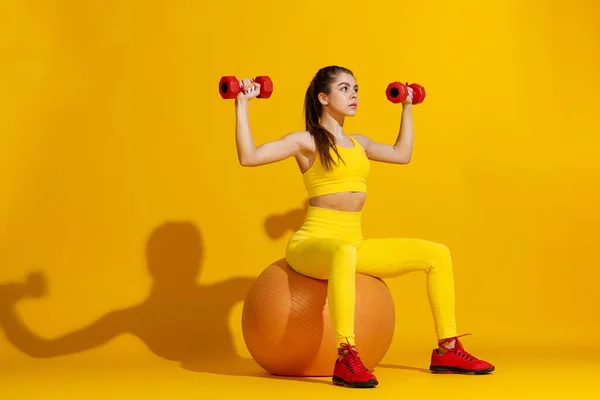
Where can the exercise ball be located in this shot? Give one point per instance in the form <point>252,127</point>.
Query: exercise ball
<point>287,328</point>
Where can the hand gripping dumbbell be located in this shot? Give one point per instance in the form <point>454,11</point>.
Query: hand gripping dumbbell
<point>229,87</point>
<point>397,92</point>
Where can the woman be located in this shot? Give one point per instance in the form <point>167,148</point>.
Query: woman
<point>330,245</point>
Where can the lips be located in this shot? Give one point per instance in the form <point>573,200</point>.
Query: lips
<point>352,105</point>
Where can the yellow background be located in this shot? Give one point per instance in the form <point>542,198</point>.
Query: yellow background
<point>111,126</point>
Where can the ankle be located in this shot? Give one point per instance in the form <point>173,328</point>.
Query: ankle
<point>446,345</point>
<point>345,348</point>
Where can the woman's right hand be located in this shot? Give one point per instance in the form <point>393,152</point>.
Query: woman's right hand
<point>248,89</point>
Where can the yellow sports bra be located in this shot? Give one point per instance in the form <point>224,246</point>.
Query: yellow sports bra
<point>348,176</point>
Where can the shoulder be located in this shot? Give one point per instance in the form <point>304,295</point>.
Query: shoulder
<point>303,139</point>
<point>363,140</point>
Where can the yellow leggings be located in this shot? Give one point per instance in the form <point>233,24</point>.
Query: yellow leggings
<point>330,246</point>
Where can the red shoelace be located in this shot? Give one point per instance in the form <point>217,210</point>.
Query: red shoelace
<point>458,348</point>
<point>354,361</point>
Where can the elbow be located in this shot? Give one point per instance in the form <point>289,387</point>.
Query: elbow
<point>246,162</point>
<point>404,159</point>
<point>402,155</point>
<point>247,158</point>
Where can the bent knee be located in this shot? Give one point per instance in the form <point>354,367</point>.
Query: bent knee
<point>442,257</point>
<point>443,252</point>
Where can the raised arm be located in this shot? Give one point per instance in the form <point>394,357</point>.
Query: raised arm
<point>401,151</point>
<point>249,155</point>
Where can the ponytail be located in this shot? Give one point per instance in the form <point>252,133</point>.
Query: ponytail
<point>313,109</point>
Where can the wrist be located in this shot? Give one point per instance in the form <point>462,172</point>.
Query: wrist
<point>241,103</point>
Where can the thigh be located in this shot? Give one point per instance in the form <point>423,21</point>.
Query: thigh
<point>389,257</point>
<point>313,257</point>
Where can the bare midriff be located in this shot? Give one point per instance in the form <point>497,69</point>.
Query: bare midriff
<point>344,201</point>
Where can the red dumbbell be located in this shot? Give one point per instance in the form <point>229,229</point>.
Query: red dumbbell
<point>229,87</point>
<point>396,92</point>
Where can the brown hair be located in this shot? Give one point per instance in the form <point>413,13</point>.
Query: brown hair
<point>321,83</point>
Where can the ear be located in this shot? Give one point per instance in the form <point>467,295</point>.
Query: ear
<point>323,99</point>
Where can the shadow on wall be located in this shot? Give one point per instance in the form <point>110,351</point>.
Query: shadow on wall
<point>180,320</point>
<point>277,225</point>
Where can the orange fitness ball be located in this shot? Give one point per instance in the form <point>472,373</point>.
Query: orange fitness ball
<point>287,328</point>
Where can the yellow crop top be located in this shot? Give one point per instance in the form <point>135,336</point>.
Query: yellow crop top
<point>348,176</point>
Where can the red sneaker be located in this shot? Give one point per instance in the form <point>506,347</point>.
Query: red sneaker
<point>350,371</point>
<point>457,360</point>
